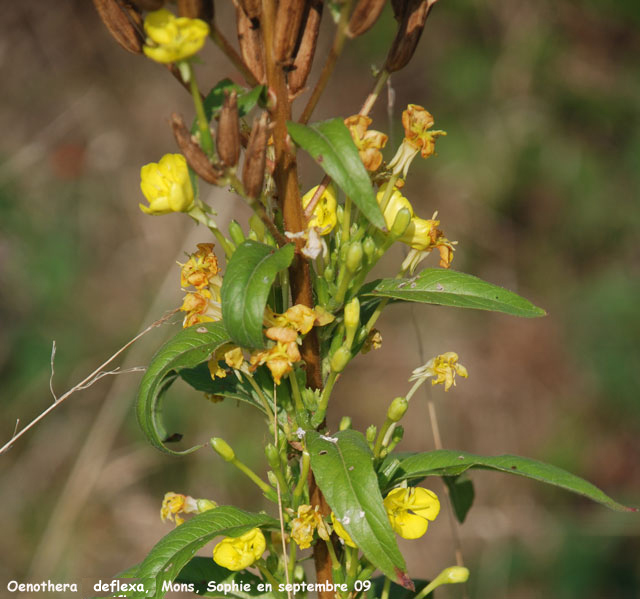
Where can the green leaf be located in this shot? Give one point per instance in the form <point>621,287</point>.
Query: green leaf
<point>461,493</point>
<point>330,144</point>
<point>247,99</point>
<point>445,462</point>
<point>200,571</point>
<point>168,558</point>
<point>343,468</point>
<point>451,288</point>
<point>245,289</point>
<point>190,347</point>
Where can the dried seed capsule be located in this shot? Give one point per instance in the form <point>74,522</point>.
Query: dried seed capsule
<point>287,26</point>
<point>364,15</point>
<point>251,47</point>
<point>306,47</point>
<point>255,156</point>
<point>124,22</point>
<point>412,15</point>
<point>228,140</point>
<point>196,158</point>
<point>251,8</point>
<point>196,9</point>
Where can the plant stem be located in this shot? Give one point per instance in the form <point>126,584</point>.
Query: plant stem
<point>373,96</point>
<point>386,588</point>
<point>206,141</point>
<point>326,394</point>
<point>381,435</point>
<point>297,399</point>
<point>263,399</point>
<point>304,472</point>
<point>346,220</point>
<point>336,50</point>
<point>230,52</point>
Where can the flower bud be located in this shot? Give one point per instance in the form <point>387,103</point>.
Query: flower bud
<point>166,185</point>
<point>196,9</point>
<point>454,575</point>
<point>329,273</point>
<point>124,23</point>
<point>223,449</point>
<point>204,505</point>
<point>412,15</point>
<point>354,257</point>
<point>397,409</point>
<point>345,423</point>
<point>303,60</point>
<point>396,437</point>
<point>250,38</point>
<point>364,15</point>
<point>257,226</point>
<point>288,17</point>
<point>351,320</point>
<point>193,153</point>
<point>255,157</point>
<point>273,457</point>
<point>236,233</point>
<point>340,359</point>
<point>228,140</point>
<point>369,247</point>
<point>371,433</point>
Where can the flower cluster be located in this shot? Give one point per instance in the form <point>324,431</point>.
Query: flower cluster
<point>171,39</point>
<point>201,271</point>
<point>238,553</point>
<point>368,142</point>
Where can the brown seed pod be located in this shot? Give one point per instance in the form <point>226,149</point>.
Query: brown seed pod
<point>124,22</point>
<point>307,46</point>
<point>251,8</point>
<point>196,9</point>
<point>412,15</point>
<point>364,15</point>
<point>228,140</point>
<point>287,26</point>
<point>196,158</point>
<point>251,48</point>
<point>255,157</point>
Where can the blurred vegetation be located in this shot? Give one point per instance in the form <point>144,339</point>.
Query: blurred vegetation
<point>539,180</point>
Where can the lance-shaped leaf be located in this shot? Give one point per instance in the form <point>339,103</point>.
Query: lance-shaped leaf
<point>445,462</point>
<point>167,559</point>
<point>245,289</point>
<point>187,349</point>
<point>330,144</point>
<point>451,288</point>
<point>343,468</point>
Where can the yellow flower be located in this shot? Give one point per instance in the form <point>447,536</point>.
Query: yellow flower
<point>373,341</point>
<point>410,510</point>
<point>421,234</point>
<point>201,267</point>
<point>166,185</point>
<point>416,122</point>
<point>240,552</point>
<point>443,369</point>
<point>299,317</point>
<point>170,39</point>
<point>202,305</point>
<point>369,143</point>
<point>324,212</point>
<point>306,523</point>
<point>341,531</point>
<point>279,358</point>
<point>174,504</point>
<point>234,358</point>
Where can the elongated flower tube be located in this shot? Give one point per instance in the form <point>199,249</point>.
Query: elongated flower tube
<point>170,39</point>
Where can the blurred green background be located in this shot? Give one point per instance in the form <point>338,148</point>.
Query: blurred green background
<point>538,180</point>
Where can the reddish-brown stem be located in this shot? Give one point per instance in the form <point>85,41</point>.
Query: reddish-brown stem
<point>230,52</point>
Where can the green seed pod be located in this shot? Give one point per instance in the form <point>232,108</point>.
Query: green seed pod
<point>397,409</point>
<point>354,256</point>
<point>235,231</point>
<point>223,449</point>
<point>345,423</point>
<point>340,359</point>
